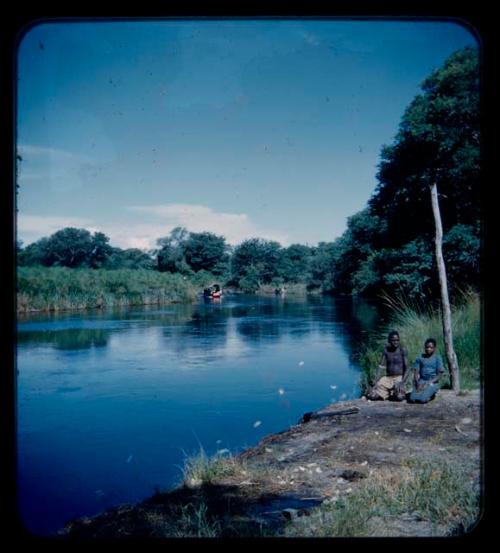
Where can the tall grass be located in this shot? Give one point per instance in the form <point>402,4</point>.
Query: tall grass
<point>200,469</point>
<point>61,288</point>
<point>415,324</point>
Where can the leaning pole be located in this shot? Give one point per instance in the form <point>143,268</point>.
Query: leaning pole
<point>445,300</point>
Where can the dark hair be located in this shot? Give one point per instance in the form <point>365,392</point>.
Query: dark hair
<point>430,341</point>
<point>392,333</point>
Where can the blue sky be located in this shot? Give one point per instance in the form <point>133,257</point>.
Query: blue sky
<point>244,128</point>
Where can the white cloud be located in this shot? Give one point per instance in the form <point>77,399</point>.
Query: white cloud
<point>33,227</point>
<point>235,227</point>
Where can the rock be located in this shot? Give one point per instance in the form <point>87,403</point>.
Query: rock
<point>290,513</point>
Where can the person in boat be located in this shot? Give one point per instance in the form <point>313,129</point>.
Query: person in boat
<point>428,371</point>
<point>394,362</point>
<point>217,292</point>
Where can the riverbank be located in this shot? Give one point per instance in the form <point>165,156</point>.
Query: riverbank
<point>57,289</point>
<point>356,468</point>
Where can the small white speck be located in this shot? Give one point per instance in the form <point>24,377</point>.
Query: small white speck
<point>256,424</point>
<point>301,363</point>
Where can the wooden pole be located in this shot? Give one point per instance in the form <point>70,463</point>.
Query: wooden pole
<point>445,301</point>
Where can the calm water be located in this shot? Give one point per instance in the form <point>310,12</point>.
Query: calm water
<point>109,403</point>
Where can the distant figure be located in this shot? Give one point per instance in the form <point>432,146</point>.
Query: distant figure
<point>217,292</point>
<point>280,291</point>
<point>428,371</point>
<point>394,361</point>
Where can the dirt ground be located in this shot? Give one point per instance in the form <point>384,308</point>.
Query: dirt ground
<point>312,463</point>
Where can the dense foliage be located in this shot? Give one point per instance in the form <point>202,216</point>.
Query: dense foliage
<point>388,246</point>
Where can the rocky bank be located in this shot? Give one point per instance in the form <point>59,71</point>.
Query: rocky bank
<point>328,455</point>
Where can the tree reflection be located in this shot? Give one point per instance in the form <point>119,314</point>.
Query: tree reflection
<point>67,339</point>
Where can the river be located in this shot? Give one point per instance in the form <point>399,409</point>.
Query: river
<point>109,403</point>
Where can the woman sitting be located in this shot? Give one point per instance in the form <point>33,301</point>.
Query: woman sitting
<point>428,370</point>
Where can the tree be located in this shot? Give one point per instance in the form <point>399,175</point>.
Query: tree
<point>438,137</point>
<point>431,171</point>
<point>354,247</point>
<point>295,263</point>
<point>325,259</point>
<point>448,336</point>
<point>68,247</point>
<point>131,258</point>
<point>101,250</point>
<point>256,258</point>
<point>171,253</point>
<point>205,251</point>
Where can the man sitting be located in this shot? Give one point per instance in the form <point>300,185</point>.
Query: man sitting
<point>394,361</point>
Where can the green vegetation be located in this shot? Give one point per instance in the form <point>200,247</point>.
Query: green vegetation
<point>200,469</point>
<point>443,495</point>
<point>184,521</point>
<point>61,288</point>
<point>415,325</point>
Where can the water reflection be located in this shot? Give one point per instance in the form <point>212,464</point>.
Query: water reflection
<point>205,326</point>
<point>67,339</point>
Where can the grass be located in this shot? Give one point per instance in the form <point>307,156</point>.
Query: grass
<point>184,521</point>
<point>443,496</point>
<point>415,325</point>
<point>61,288</point>
<point>200,469</point>
<point>421,497</point>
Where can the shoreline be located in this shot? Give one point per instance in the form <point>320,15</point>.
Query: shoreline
<point>296,483</point>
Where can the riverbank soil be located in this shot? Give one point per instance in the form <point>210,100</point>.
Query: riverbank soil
<point>278,487</point>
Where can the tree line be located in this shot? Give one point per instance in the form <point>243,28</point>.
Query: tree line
<point>386,247</point>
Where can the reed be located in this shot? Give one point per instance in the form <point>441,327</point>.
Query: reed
<point>61,288</point>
